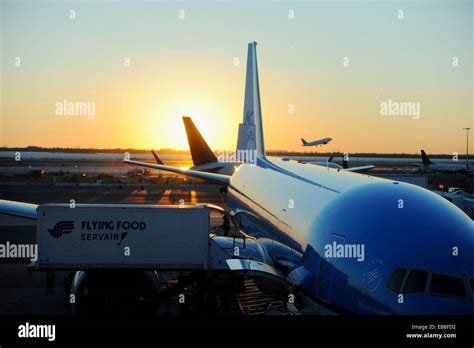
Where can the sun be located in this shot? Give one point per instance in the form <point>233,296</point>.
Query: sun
<point>169,131</point>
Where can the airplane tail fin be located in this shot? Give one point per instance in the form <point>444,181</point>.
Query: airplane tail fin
<point>345,163</point>
<point>200,151</point>
<point>304,141</point>
<point>425,158</point>
<point>252,106</point>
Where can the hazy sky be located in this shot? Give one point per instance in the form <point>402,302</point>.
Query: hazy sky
<point>186,66</point>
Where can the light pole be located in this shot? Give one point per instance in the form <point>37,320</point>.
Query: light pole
<point>467,147</point>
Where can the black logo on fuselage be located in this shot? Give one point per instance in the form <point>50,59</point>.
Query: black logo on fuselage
<point>62,227</point>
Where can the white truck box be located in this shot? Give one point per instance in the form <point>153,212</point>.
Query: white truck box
<point>122,236</point>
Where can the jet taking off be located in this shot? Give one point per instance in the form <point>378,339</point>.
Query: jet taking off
<point>315,223</point>
<point>319,142</point>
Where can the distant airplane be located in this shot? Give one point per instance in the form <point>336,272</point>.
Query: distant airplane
<point>345,165</point>
<point>203,158</point>
<point>157,159</point>
<point>429,165</point>
<point>321,142</point>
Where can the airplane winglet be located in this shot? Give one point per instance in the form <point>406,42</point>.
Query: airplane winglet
<point>19,209</point>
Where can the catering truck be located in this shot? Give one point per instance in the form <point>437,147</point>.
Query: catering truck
<point>118,251</point>
<point>117,236</point>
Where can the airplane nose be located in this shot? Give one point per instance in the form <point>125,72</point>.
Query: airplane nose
<point>396,225</point>
<point>402,220</point>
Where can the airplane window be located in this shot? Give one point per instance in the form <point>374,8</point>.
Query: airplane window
<point>446,285</point>
<point>396,279</point>
<point>416,282</point>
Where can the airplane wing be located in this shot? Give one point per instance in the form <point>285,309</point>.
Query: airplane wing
<point>20,209</point>
<point>216,178</point>
<point>359,169</point>
<point>157,159</point>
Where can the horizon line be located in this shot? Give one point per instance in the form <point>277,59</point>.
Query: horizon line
<point>33,148</point>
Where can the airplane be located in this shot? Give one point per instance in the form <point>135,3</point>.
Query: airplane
<point>345,165</point>
<point>225,168</point>
<point>157,159</point>
<point>300,214</point>
<point>203,158</point>
<point>429,165</point>
<point>354,244</point>
<point>321,142</point>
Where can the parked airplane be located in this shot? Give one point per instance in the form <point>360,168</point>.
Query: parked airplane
<point>225,168</point>
<point>345,165</point>
<point>157,159</point>
<point>353,243</point>
<point>429,165</point>
<point>323,141</point>
<point>203,157</point>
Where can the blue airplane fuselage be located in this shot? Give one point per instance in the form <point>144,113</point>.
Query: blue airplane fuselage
<point>376,225</point>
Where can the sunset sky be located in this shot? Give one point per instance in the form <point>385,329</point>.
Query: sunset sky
<point>186,67</point>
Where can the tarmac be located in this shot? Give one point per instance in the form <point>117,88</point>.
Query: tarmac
<point>22,293</point>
